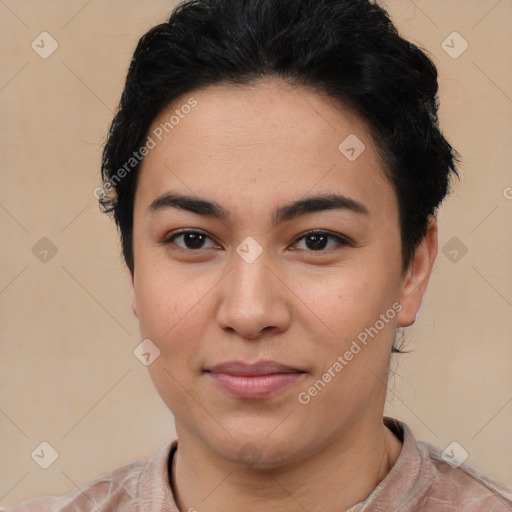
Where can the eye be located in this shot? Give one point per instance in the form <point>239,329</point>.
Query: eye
<point>317,241</point>
<point>192,239</point>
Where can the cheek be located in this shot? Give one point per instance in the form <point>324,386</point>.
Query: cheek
<point>348,300</point>
<point>172,315</point>
<point>172,308</point>
<point>358,310</point>
<point>158,287</point>
<point>352,362</point>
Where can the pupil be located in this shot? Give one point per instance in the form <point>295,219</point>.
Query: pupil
<point>318,241</point>
<point>195,239</point>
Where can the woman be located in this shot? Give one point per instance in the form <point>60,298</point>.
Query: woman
<point>275,170</point>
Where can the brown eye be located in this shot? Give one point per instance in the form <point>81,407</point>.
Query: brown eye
<point>317,241</point>
<point>192,240</point>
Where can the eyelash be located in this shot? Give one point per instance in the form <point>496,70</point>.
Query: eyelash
<point>342,241</point>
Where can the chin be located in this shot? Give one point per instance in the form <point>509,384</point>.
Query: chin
<point>258,450</point>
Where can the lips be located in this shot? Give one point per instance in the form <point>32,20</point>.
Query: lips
<point>253,381</point>
<point>246,369</point>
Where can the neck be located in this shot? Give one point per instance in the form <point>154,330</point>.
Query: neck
<point>342,474</point>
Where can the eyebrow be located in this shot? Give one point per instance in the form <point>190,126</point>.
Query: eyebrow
<point>284,213</point>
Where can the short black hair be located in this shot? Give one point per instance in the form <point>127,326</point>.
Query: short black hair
<point>347,49</point>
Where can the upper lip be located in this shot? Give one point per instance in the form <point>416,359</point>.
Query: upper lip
<point>248,369</point>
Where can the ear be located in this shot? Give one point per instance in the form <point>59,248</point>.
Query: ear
<point>133,298</point>
<point>417,275</point>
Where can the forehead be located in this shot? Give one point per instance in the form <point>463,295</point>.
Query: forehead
<point>260,143</point>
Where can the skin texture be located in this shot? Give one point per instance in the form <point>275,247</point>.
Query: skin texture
<point>252,149</point>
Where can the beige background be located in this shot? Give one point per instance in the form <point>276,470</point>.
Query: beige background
<point>68,375</point>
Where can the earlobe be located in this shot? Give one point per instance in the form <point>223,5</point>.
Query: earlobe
<point>417,276</point>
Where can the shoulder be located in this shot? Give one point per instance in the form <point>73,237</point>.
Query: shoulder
<point>426,479</point>
<point>118,490</point>
<point>452,482</point>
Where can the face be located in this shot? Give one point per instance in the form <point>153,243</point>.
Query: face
<point>274,289</point>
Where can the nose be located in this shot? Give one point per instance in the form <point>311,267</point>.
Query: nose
<point>254,300</point>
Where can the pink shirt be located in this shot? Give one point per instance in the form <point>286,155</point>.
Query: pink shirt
<point>419,481</point>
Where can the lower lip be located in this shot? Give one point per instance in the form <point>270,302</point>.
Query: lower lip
<point>255,386</point>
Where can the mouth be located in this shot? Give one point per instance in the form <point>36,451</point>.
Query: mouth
<point>253,381</point>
